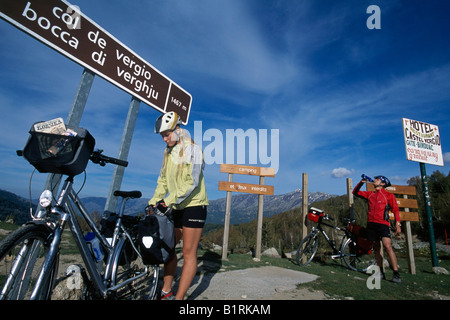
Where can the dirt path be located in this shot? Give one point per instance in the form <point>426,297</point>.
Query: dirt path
<point>268,282</point>
<point>271,283</point>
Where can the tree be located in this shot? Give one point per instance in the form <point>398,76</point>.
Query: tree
<point>439,190</point>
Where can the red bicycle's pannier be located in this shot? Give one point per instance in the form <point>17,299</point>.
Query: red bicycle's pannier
<point>364,245</point>
<point>360,237</point>
<point>355,229</point>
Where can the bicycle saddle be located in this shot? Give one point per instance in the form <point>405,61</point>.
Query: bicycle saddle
<point>128,194</point>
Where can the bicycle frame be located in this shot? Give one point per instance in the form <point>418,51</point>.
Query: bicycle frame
<point>67,214</point>
<point>325,235</point>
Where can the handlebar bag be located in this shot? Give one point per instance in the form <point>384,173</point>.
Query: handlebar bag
<point>156,238</point>
<point>315,215</point>
<point>60,154</point>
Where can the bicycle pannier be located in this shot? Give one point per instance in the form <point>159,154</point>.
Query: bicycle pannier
<point>156,238</point>
<point>315,215</point>
<point>59,153</point>
<point>364,245</point>
<point>107,226</point>
<point>360,237</point>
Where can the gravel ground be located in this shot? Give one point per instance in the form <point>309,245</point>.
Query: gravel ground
<point>272,283</point>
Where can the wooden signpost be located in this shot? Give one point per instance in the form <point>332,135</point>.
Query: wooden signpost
<point>259,189</point>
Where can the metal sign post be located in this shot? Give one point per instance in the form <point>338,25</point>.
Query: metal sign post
<point>74,118</point>
<point>125,144</point>
<point>423,174</point>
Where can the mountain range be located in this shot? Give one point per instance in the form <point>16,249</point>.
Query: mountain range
<point>244,207</point>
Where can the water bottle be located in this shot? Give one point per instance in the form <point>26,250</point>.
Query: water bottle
<point>94,244</point>
<point>366,178</point>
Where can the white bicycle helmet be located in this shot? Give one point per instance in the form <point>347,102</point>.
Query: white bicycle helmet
<point>167,121</point>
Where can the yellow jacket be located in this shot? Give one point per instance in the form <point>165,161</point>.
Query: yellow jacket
<point>186,188</point>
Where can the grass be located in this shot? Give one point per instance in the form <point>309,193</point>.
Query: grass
<point>338,282</point>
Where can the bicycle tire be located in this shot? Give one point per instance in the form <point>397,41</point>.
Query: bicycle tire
<point>25,250</point>
<point>307,249</point>
<point>129,264</point>
<point>353,259</point>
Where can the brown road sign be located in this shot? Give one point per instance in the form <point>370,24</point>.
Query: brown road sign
<point>245,187</point>
<point>61,26</point>
<point>248,170</point>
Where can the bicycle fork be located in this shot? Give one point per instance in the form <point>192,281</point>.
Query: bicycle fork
<point>20,271</point>
<point>49,261</point>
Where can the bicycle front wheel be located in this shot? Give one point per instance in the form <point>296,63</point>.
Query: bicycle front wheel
<point>22,255</point>
<point>355,260</point>
<point>307,249</point>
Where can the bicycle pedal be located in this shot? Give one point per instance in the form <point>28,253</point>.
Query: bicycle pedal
<point>335,256</point>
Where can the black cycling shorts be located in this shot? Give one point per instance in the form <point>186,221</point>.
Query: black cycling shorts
<point>376,231</point>
<point>191,217</point>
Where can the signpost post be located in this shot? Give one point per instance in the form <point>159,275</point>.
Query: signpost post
<point>259,189</point>
<point>423,145</point>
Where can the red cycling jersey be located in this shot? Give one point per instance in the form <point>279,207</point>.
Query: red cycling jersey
<point>377,201</point>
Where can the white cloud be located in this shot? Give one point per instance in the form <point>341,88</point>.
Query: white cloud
<point>341,172</point>
<point>446,157</point>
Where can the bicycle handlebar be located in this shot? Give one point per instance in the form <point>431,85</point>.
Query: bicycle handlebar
<point>99,158</point>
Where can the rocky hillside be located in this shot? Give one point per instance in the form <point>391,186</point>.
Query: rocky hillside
<point>244,207</point>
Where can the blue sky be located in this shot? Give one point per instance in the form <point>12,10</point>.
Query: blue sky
<point>335,90</point>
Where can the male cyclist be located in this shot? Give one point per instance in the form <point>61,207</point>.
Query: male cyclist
<point>380,203</point>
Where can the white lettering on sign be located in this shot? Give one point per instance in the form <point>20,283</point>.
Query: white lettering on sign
<point>245,187</point>
<point>178,103</point>
<point>259,189</point>
<point>248,170</point>
<point>137,71</point>
<point>72,21</point>
<point>98,57</point>
<point>45,24</point>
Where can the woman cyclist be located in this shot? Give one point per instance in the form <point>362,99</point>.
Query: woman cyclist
<point>181,186</point>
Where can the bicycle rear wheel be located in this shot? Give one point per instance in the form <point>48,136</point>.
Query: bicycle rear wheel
<point>307,249</point>
<point>22,254</point>
<point>129,265</point>
<point>355,260</point>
